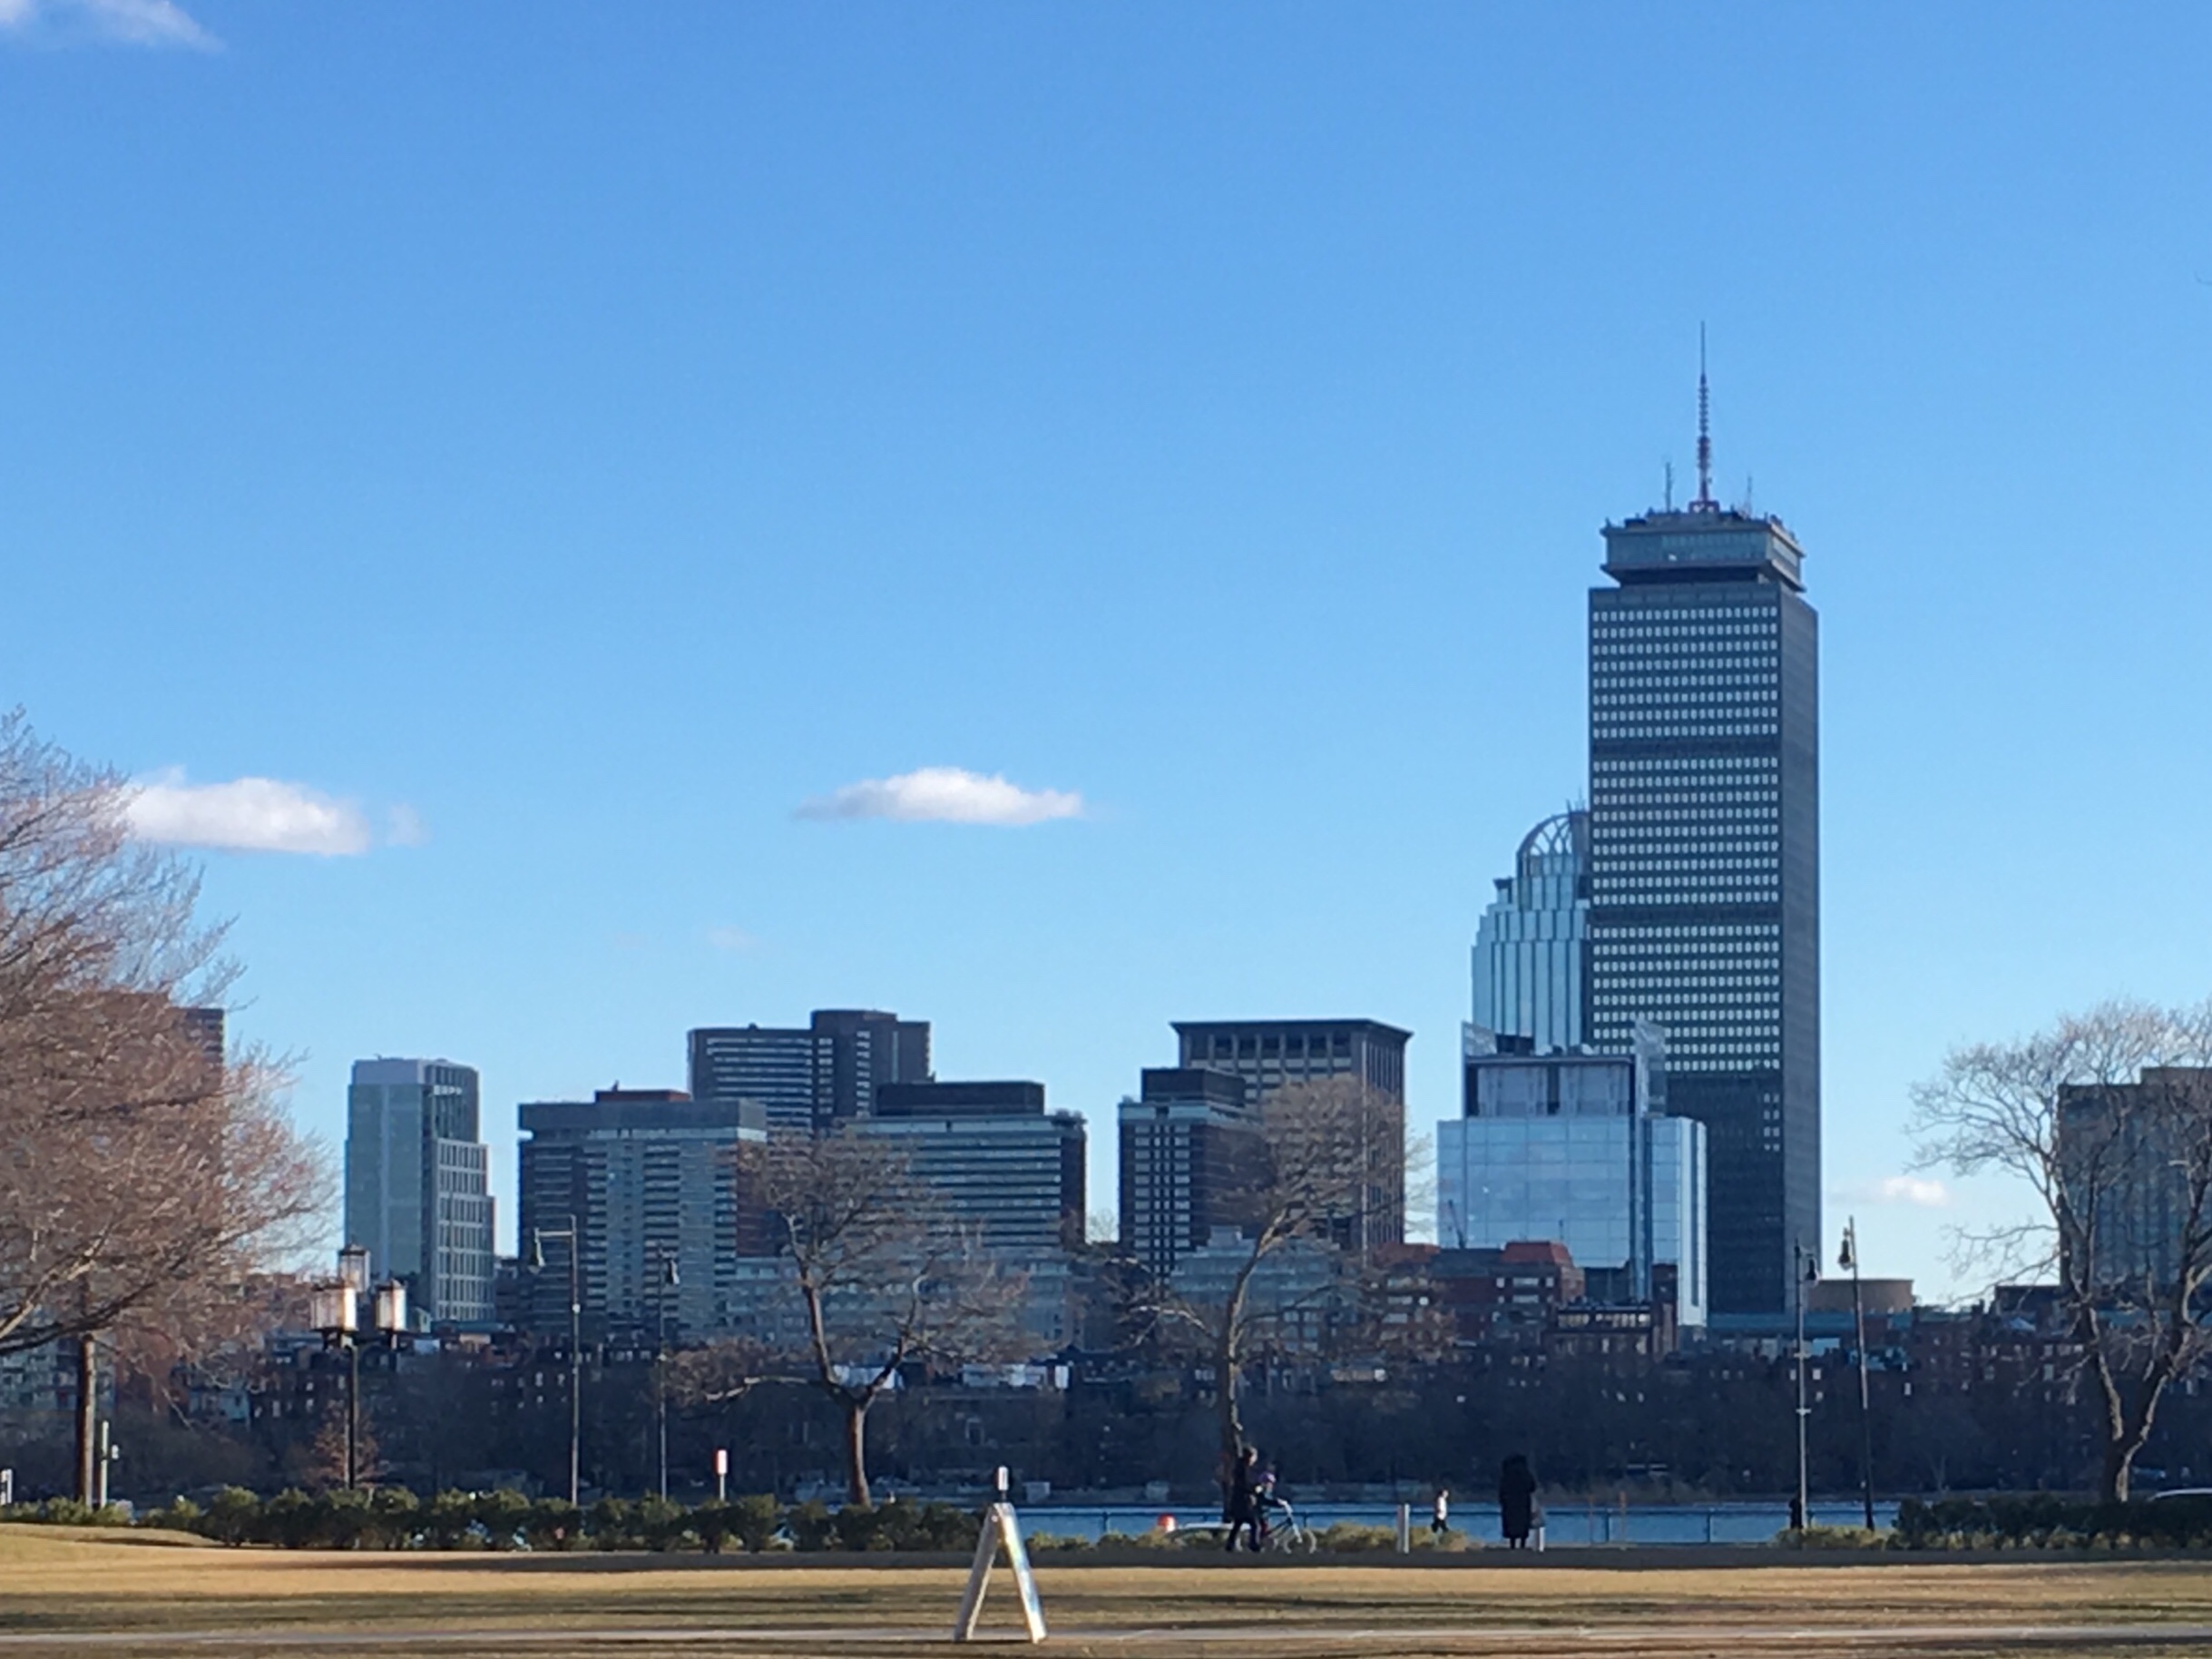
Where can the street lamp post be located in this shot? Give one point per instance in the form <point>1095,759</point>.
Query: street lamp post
<point>538,1235</point>
<point>334,1313</point>
<point>669,1280</point>
<point>1807,1268</point>
<point>1850,1259</point>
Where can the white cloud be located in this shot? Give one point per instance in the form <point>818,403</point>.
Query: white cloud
<point>1924,1191</point>
<point>247,815</point>
<point>130,22</point>
<point>946,795</point>
<point>730,939</point>
<point>403,826</point>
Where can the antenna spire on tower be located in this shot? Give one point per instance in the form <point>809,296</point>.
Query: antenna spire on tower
<point>1704,502</point>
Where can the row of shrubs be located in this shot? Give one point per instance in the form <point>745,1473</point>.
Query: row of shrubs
<point>2048,1521</point>
<point>392,1517</point>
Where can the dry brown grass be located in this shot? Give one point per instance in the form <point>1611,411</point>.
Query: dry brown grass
<point>53,1586</point>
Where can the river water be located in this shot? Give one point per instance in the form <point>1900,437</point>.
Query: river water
<point>1566,1522</point>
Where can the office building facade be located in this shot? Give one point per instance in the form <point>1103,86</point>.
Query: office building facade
<point>991,1154</point>
<point>645,1178</point>
<point>1190,1153</point>
<point>2135,1147</point>
<point>808,1079</point>
<point>1531,956</point>
<point>1567,1148</point>
<point>419,1185</point>
<point>1704,864</point>
<point>1269,1054</point>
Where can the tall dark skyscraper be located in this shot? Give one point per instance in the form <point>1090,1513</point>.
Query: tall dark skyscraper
<point>1705,860</point>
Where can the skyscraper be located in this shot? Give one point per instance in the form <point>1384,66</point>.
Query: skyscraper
<point>808,1078</point>
<point>1531,961</point>
<point>650,1177</point>
<point>1190,1154</point>
<point>1705,858</point>
<point>418,1184</point>
<point>1270,1053</point>
<point>992,1154</point>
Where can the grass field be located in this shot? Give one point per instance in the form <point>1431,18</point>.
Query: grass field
<point>84,1593</point>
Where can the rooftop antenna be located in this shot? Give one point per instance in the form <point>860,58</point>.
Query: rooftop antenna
<point>1669,465</point>
<point>1704,502</point>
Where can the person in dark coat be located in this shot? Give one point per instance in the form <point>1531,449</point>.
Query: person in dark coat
<point>1243,1509</point>
<point>1516,1501</point>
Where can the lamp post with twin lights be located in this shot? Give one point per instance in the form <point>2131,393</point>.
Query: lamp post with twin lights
<point>334,1313</point>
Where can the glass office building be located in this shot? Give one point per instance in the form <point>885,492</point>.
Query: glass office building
<point>1704,865</point>
<point>1568,1147</point>
<point>418,1194</point>
<point>1531,966</point>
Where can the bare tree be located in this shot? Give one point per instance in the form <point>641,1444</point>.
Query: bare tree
<point>142,1178</point>
<point>1328,1152</point>
<point>882,1275</point>
<point>715,1372</point>
<point>2107,1118</point>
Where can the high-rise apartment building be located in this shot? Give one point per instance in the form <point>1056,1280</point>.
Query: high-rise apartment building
<point>857,1052</point>
<point>419,1185</point>
<point>649,1177</point>
<point>1531,958</point>
<point>1189,1145</point>
<point>809,1079</point>
<point>1270,1053</point>
<point>992,1155</point>
<point>1705,860</point>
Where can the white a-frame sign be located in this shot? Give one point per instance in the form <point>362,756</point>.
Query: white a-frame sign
<point>1001,1530</point>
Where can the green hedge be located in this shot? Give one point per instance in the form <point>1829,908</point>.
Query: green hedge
<point>2047,1521</point>
<point>392,1517</point>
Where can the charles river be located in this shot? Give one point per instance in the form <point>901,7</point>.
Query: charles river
<point>1567,1521</point>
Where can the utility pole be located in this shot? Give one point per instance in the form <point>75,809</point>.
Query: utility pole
<point>1850,1259</point>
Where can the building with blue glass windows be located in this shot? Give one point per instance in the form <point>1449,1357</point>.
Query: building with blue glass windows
<point>1579,1149</point>
<point>1531,963</point>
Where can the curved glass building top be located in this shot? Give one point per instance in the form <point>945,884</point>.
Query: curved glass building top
<point>1531,972</point>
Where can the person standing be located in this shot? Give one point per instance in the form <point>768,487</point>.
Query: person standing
<point>1440,1513</point>
<point>1516,1501</point>
<point>1243,1514</point>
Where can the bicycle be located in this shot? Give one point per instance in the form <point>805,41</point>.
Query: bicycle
<point>1282,1531</point>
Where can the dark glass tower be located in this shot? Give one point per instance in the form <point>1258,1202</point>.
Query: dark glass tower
<point>1705,861</point>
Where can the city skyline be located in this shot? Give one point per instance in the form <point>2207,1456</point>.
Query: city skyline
<point>1059,526</point>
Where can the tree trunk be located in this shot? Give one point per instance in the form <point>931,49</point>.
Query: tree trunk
<point>856,1452</point>
<point>88,1416</point>
<point>2122,1441</point>
<point>1225,1381</point>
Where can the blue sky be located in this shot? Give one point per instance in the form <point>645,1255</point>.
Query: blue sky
<point>558,443</point>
